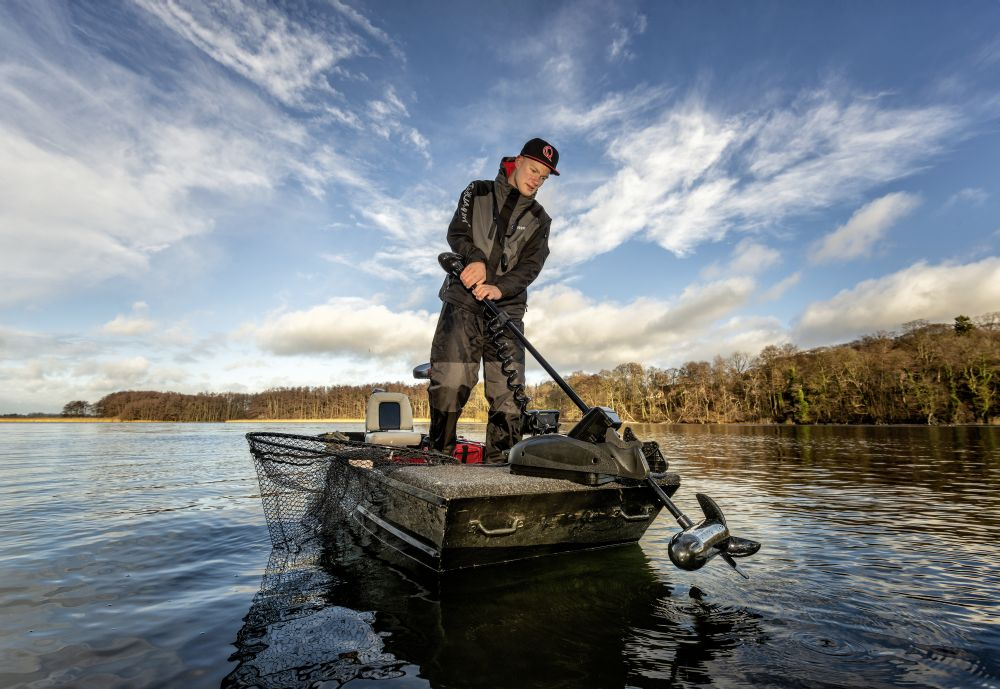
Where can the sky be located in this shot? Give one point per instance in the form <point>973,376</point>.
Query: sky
<point>226,195</point>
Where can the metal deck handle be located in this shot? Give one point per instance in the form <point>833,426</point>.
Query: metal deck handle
<point>503,531</point>
<point>635,517</point>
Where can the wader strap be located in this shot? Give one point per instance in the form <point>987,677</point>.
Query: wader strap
<point>503,221</point>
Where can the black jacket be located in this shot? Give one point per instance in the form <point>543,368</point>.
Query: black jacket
<point>513,257</point>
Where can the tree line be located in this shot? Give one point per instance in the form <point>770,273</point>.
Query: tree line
<point>320,402</point>
<point>927,374</point>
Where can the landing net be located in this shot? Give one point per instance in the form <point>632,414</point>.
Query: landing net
<point>307,482</point>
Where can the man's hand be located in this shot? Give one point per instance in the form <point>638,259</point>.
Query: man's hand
<point>491,292</point>
<point>473,274</point>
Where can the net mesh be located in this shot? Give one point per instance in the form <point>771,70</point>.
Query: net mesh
<point>306,481</point>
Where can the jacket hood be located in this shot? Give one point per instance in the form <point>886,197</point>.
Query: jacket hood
<point>507,166</point>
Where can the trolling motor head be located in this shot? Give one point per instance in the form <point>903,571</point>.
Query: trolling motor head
<point>452,263</point>
<point>591,453</point>
<point>695,545</point>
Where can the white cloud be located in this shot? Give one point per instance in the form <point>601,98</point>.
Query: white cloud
<point>349,327</point>
<point>751,257</point>
<point>701,305</point>
<point>597,119</point>
<point>971,195</point>
<point>138,323</point>
<point>989,53</point>
<point>117,374</point>
<point>282,56</point>
<point>387,113</point>
<point>778,290</point>
<point>17,344</point>
<point>576,332</point>
<point>42,371</point>
<point>71,219</point>
<point>140,168</point>
<point>51,376</point>
<point>869,224</point>
<point>369,28</point>
<point>344,117</point>
<point>621,37</point>
<point>98,194</point>
<point>374,267</point>
<point>386,116</point>
<point>420,142</point>
<point>294,58</point>
<point>570,329</point>
<point>748,257</point>
<point>561,67</point>
<point>695,174</point>
<point>659,188</point>
<point>922,291</point>
<point>128,326</point>
<point>414,225</point>
<point>402,221</point>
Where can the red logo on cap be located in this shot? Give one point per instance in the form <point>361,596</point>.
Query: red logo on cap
<point>547,152</point>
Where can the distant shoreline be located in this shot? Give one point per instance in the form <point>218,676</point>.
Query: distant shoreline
<point>56,419</point>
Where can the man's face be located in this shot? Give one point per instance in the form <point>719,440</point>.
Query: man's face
<point>528,175</point>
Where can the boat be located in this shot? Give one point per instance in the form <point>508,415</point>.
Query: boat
<point>595,486</point>
<point>437,510</point>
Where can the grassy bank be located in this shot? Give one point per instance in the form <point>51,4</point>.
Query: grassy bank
<point>57,419</point>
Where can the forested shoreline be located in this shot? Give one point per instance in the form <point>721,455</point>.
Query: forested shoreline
<point>926,374</point>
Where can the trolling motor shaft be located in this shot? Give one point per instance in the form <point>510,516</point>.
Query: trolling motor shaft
<point>594,446</point>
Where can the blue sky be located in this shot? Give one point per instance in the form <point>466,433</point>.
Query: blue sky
<point>235,196</point>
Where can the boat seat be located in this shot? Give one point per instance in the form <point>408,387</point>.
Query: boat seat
<point>389,420</point>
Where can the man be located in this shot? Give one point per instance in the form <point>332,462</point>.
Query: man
<point>502,234</point>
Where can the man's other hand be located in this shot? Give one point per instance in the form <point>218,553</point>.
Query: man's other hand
<point>491,292</point>
<point>473,274</point>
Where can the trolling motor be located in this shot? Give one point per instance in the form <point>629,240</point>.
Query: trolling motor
<point>593,453</point>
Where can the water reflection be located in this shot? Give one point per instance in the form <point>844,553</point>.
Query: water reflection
<point>600,619</point>
<point>293,636</point>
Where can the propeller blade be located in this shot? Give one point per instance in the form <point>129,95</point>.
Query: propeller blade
<point>710,508</point>
<point>740,547</point>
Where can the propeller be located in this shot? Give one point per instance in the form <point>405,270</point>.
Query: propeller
<point>693,546</point>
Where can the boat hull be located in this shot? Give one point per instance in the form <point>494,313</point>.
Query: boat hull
<point>453,517</point>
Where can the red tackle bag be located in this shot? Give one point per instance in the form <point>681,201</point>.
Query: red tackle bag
<point>468,452</point>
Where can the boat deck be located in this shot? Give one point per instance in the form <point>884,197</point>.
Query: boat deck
<point>488,480</point>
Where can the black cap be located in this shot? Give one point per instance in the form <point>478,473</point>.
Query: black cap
<point>542,151</point>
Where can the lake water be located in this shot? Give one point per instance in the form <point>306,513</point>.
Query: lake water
<point>137,555</point>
